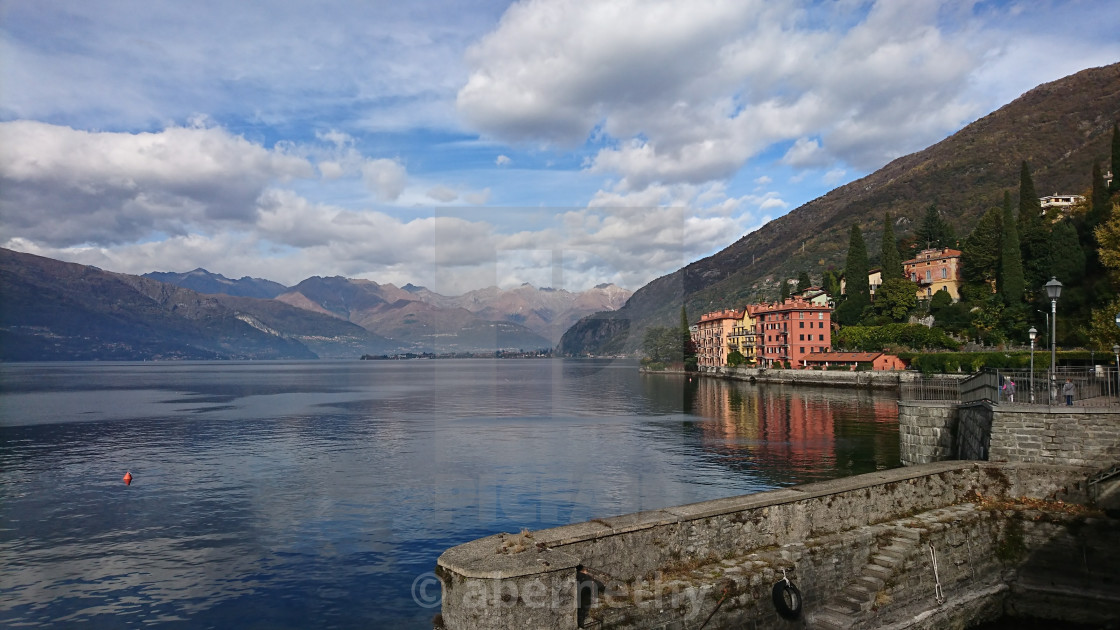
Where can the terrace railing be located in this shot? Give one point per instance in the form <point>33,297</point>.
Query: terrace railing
<point>1092,387</point>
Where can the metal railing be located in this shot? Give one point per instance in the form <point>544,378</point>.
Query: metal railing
<point>1088,387</point>
<point>933,389</point>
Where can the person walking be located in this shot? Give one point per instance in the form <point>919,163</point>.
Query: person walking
<point>1067,391</point>
<point>1010,390</point>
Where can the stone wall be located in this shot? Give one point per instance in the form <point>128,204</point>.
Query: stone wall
<point>926,432</point>
<point>877,379</point>
<point>1077,436</point>
<point>823,532</point>
<point>1074,436</point>
<point>974,431</point>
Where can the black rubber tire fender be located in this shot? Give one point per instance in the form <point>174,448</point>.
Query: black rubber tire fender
<point>787,599</point>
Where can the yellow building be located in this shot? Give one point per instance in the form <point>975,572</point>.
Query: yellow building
<point>712,337</point>
<point>934,269</point>
<point>744,339</point>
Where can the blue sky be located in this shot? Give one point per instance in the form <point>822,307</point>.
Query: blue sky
<point>460,145</point>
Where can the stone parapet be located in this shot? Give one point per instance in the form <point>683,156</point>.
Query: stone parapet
<point>491,584</point>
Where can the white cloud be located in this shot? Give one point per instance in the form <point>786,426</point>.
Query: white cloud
<point>477,197</point>
<point>443,194</point>
<point>688,92</point>
<point>385,177</point>
<point>834,176</point>
<point>503,160</point>
<point>64,186</point>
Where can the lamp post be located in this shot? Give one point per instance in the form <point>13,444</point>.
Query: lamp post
<point>1116,352</point>
<point>1053,291</point>
<point>1032,333</point>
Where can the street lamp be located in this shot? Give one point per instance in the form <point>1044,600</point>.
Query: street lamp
<point>1053,291</point>
<point>1116,352</point>
<point>1032,333</point>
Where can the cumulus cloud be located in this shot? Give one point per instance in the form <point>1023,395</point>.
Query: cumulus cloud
<point>386,178</point>
<point>64,186</point>
<point>688,92</point>
<point>442,194</point>
<point>502,160</point>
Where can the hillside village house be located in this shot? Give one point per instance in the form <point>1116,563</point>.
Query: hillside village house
<point>791,330</point>
<point>744,338</point>
<point>1060,201</point>
<point>712,335</point>
<point>934,269</point>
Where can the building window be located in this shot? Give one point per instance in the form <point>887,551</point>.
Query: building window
<point>802,337</point>
<point>802,324</point>
<point>801,315</point>
<point>820,315</point>
<point>944,273</point>
<point>821,338</point>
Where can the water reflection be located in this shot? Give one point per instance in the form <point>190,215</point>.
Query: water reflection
<point>783,434</point>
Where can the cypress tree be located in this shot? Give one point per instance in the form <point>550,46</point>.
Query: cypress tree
<point>1034,234</point>
<point>1067,261</point>
<point>803,281</point>
<point>1100,205</point>
<point>858,290</point>
<point>890,260</point>
<point>1011,263</point>
<point>980,253</point>
<point>933,231</point>
<point>783,291</point>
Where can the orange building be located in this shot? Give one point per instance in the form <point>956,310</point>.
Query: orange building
<point>934,269</point>
<point>712,336</point>
<point>877,360</point>
<point>791,332</point>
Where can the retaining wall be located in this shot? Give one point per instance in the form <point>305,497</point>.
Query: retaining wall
<point>822,531</point>
<point>1075,436</point>
<point>927,432</point>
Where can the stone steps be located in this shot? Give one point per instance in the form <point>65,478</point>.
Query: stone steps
<point>844,610</point>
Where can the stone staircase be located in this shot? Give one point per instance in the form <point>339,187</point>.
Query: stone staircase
<point>846,609</point>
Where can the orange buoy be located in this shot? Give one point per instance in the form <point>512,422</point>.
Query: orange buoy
<point>128,479</point>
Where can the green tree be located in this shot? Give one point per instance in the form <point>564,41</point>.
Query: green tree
<point>857,287</point>
<point>981,250</point>
<point>1011,263</point>
<point>688,353</point>
<point>783,290</point>
<point>939,301</point>
<point>890,260</point>
<point>896,299</point>
<point>1100,204</point>
<point>1108,242</point>
<point>803,281</point>
<point>1034,234</point>
<point>933,231</point>
<point>832,284</point>
<point>1067,259</point>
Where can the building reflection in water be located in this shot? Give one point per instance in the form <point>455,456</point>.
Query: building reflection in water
<point>781,434</point>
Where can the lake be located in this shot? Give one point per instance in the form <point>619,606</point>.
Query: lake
<point>320,493</point>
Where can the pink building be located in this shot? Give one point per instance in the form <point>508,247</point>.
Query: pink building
<point>791,332</point>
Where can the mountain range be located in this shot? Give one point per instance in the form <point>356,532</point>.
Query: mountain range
<point>1060,129</point>
<point>54,310</point>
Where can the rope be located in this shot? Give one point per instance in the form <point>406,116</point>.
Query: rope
<point>938,594</point>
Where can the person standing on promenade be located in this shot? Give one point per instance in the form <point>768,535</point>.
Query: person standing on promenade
<point>1067,391</point>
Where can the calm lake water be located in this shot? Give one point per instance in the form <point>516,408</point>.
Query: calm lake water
<point>314,494</point>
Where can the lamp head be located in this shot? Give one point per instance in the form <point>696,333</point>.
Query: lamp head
<point>1032,333</point>
<point>1054,288</point>
<point>1116,349</point>
<point>1118,319</point>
